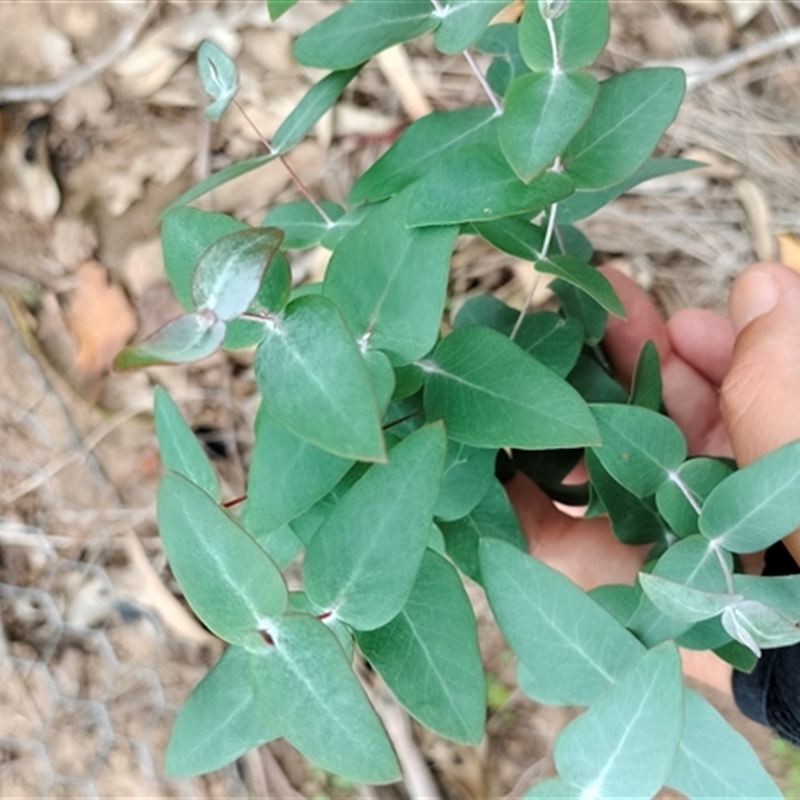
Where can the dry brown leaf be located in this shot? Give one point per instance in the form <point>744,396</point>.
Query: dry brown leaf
<point>100,318</point>
<point>789,247</point>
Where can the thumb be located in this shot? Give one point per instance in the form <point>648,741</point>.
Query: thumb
<point>760,399</point>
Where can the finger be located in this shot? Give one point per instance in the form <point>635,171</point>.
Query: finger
<point>624,339</point>
<point>761,393</point>
<point>704,340</point>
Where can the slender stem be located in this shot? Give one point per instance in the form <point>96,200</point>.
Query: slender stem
<point>548,238</point>
<point>235,502</point>
<point>295,177</point>
<point>551,31</point>
<point>473,65</point>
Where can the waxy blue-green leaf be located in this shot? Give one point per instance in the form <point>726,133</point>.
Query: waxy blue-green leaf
<point>282,545</point>
<point>314,381</point>
<point>362,563</point>
<point>362,29</point>
<point>190,337</point>
<point>543,111</point>
<point>343,225</point>
<point>307,683</point>
<point>476,183</point>
<point>222,718</point>
<point>490,393</point>
<point>186,234</point>
<point>576,304</point>
<point>757,505</point>
<point>228,275</point>
<point>381,375</point>
<point>463,21</point>
<point>619,600</point>
<point>301,223</point>
<point>683,603</point>
<point>714,760</point>
<point>299,603</point>
<point>698,477</point>
<point>781,593</point>
<point>428,654</point>
<point>583,204</point>
<point>468,473</point>
<point>634,520</point>
<point>632,112</point>
<point>314,105</point>
<point>277,8</point>
<point>181,452</point>
<point>640,447</point>
<point>272,297</point>
<point>581,32</point>
<point>514,235</point>
<point>624,745</point>
<point>572,650</point>
<point>646,387</point>
<point>501,40</point>
<point>287,475</point>
<point>492,517</point>
<point>222,176</point>
<point>756,626</point>
<point>228,580</point>
<point>219,76</point>
<point>551,789</point>
<point>586,278</point>
<point>593,383</point>
<point>422,146</point>
<point>390,281</point>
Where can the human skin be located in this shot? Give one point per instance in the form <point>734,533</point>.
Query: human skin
<point>733,387</point>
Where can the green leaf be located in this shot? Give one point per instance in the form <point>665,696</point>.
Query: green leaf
<point>428,655</point>
<point>576,304</point>
<point>681,602</point>
<point>573,242</point>
<point>301,223</point>
<point>552,788</point>
<point>632,112</point>
<point>287,475</point>
<point>468,473</point>
<point>756,625</point>
<point>381,375</point>
<point>735,654</point>
<point>421,147</point>
<point>634,520</point>
<point>583,204</point>
<point>221,720</point>
<point>228,275</point>
<point>646,387</point>
<point>299,602</point>
<point>781,593</point>
<point>222,176</point>
<point>308,684</point>
<point>543,112</point>
<point>586,278</point>
<point>344,224</point>
<point>362,29</point>
<point>185,235</point>
<point>502,41</point>
<point>277,8</point>
<point>282,545</point>
<point>572,650</point>
<point>581,32</point>
<point>620,601</point>
<point>640,447</point>
<point>514,235</point>
<point>272,297</point>
<point>314,381</point>
<point>219,76</point>
<point>698,476</point>
<point>593,383</point>
<point>190,337</point>
<point>362,563</point>
<point>228,580</point>
<point>181,452</point>
<point>463,21</point>
<point>756,506</point>
<point>309,111</point>
<point>624,745</point>
<point>547,468</point>
<point>476,183</point>
<point>390,281</point>
<point>490,393</point>
<point>493,517</point>
<point>551,339</point>
<point>714,760</point>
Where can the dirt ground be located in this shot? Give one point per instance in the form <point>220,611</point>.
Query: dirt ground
<point>100,129</point>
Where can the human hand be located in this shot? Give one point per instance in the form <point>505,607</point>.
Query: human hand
<point>733,387</point>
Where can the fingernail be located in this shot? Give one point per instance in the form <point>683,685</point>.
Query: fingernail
<point>756,294</point>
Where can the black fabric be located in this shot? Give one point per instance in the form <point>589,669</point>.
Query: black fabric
<point>770,694</point>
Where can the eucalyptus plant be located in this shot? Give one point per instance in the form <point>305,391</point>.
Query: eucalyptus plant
<point>378,436</point>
